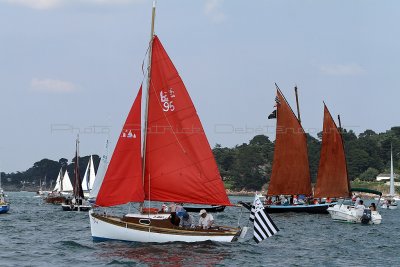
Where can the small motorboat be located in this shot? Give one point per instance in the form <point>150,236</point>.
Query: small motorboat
<point>389,204</point>
<point>345,211</point>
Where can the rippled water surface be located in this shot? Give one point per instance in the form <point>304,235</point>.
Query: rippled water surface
<point>36,234</point>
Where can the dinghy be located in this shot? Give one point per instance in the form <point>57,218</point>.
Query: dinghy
<point>177,164</point>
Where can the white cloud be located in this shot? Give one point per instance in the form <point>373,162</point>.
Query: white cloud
<point>212,10</point>
<point>342,69</point>
<point>37,4</point>
<point>52,4</point>
<point>52,86</point>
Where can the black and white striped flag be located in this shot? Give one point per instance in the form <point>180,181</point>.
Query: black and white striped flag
<point>264,227</point>
<point>257,206</point>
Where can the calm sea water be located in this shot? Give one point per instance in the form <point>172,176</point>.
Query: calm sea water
<point>36,234</point>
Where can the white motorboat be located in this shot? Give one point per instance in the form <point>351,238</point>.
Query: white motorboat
<point>348,213</point>
<point>351,214</point>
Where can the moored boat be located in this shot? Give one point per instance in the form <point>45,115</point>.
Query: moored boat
<point>177,165</point>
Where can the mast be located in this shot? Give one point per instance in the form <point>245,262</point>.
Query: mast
<point>146,111</point>
<point>297,103</point>
<point>391,191</point>
<point>340,123</point>
<point>77,178</point>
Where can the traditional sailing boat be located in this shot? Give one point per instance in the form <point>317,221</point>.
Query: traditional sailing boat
<point>77,202</point>
<point>61,190</point>
<point>177,165</point>
<point>290,168</point>
<point>88,178</point>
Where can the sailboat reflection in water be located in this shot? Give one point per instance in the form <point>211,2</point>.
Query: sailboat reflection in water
<point>177,165</point>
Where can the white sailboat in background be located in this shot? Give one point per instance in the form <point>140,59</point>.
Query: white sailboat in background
<point>390,201</point>
<point>88,178</point>
<point>62,189</point>
<point>101,171</point>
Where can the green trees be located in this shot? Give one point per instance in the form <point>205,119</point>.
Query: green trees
<point>248,166</point>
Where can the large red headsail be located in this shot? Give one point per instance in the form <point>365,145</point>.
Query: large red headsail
<point>332,180</point>
<point>180,165</point>
<point>123,181</point>
<point>290,169</point>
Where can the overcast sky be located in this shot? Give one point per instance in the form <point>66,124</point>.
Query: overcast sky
<point>77,64</point>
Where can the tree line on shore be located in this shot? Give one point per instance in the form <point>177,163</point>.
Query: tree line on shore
<point>247,166</point>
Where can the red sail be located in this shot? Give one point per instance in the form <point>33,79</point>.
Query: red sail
<point>123,181</point>
<point>332,180</point>
<point>290,169</point>
<point>179,165</point>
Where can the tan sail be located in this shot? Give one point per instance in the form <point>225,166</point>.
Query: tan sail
<point>290,169</point>
<point>332,179</point>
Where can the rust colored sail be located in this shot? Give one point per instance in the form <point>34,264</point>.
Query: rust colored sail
<point>179,165</point>
<point>290,168</point>
<point>332,179</point>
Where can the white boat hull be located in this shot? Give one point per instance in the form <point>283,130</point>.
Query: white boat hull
<point>102,230</point>
<point>390,206</point>
<point>346,213</point>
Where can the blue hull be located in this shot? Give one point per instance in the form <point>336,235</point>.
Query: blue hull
<point>4,208</point>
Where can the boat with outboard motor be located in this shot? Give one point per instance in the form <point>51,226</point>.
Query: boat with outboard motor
<point>348,212</point>
<point>177,164</point>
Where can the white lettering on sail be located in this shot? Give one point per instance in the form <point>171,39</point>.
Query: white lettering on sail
<point>165,97</point>
<point>128,134</point>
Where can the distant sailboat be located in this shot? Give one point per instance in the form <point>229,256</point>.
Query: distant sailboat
<point>88,178</point>
<point>62,188</point>
<point>101,171</point>
<point>177,166</point>
<point>392,198</point>
<point>77,202</point>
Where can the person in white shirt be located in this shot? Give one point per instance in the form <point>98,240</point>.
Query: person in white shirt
<point>360,205</point>
<point>206,220</point>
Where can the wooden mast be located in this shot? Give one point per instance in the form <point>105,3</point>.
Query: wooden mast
<point>297,104</point>
<point>146,111</point>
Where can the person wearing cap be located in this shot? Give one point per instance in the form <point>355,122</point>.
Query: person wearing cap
<point>186,221</point>
<point>206,220</point>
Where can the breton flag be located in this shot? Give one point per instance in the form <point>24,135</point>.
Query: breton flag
<point>264,227</point>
